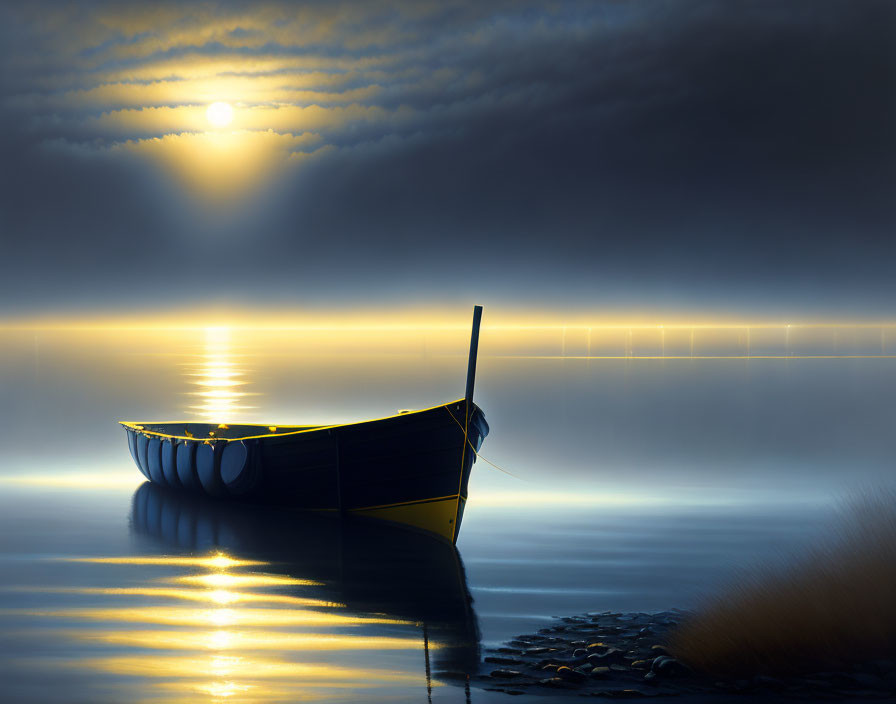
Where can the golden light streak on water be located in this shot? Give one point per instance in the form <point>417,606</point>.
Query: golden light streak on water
<point>229,650</point>
<point>87,481</point>
<point>217,596</point>
<point>262,692</point>
<point>244,580</point>
<point>224,639</point>
<point>221,399</point>
<point>429,318</point>
<point>223,689</point>
<point>174,616</point>
<point>218,561</point>
<point>256,668</point>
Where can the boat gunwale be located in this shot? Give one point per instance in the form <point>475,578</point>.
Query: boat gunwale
<point>137,426</point>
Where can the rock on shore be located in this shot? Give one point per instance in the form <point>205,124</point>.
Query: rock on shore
<point>622,655</point>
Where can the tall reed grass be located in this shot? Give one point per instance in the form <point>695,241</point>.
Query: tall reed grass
<point>830,607</point>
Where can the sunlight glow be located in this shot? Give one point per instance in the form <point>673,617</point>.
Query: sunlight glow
<point>219,114</point>
<point>218,169</point>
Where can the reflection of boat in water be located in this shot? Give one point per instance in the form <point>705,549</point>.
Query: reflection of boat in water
<point>412,468</point>
<point>366,566</point>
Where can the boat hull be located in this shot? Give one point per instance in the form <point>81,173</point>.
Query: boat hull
<point>412,468</point>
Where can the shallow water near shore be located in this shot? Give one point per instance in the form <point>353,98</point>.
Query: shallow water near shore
<point>641,485</point>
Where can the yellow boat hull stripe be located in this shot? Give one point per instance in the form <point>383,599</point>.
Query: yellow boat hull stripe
<point>433,515</point>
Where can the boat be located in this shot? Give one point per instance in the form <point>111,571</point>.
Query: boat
<point>411,468</point>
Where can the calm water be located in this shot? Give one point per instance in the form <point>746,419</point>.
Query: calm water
<point>639,484</point>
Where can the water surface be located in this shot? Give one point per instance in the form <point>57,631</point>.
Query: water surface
<point>649,467</point>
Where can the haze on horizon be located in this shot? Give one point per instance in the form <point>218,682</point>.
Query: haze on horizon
<point>573,156</point>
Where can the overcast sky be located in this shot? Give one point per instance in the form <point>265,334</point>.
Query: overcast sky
<point>682,155</point>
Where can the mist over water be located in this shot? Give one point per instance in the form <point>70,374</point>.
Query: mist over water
<point>650,466</point>
<point>678,413</point>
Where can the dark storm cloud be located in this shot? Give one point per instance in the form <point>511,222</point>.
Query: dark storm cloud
<point>700,153</point>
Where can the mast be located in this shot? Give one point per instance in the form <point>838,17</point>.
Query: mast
<point>471,364</point>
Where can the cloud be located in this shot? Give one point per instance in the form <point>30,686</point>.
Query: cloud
<point>580,149</point>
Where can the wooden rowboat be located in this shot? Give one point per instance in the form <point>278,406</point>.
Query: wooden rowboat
<point>412,468</point>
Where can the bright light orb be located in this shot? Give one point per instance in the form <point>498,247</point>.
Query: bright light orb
<point>219,114</point>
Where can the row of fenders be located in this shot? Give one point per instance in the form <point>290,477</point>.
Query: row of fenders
<point>217,468</point>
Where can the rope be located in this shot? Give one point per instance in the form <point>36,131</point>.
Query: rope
<point>475,452</point>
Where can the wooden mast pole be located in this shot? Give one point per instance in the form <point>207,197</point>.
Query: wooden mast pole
<point>471,364</point>
<point>468,412</point>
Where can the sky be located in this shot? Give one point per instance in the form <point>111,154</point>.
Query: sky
<point>645,155</point>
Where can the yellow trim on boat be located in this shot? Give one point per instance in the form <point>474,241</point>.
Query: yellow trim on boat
<point>405,503</point>
<point>140,426</point>
<point>438,517</point>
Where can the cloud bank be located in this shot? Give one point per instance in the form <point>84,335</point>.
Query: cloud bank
<point>575,154</point>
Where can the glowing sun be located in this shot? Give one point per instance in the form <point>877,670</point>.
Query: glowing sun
<point>219,114</point>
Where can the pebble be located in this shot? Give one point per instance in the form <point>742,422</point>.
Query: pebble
<point>625,693</point>
<point>569,674</point>
<point>502,673</point>
<point>604,653</point>
<point>667,665</point>
<point>554,682</point>
<point>610,655</point>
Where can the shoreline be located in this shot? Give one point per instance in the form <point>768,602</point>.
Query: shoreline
<point>624,656</point>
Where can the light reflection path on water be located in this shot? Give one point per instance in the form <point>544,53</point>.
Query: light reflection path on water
<point>224,641</point>
<point>286,608</point>
<point>220,396</point>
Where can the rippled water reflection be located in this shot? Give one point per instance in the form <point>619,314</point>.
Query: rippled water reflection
<point>259,604</point>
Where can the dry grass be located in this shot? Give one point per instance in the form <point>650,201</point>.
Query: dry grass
<point>834,605</point>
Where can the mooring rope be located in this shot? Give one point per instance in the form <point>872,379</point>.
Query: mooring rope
<point>476,452</point>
